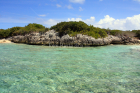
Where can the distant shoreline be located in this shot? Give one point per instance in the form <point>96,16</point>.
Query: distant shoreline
<point>5,41</point>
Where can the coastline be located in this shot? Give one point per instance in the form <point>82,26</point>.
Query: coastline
<point>5,41</point>
<point>52,38</point>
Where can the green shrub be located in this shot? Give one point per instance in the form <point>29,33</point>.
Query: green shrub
<point>47,29</point>
<point>128,33</point>
<point>22,30</point>
<point>72,28</point>
<point>137,32</point>
<point>4,33</point>
<point>115,32</point>
<point>34,25</point>
<point>69,27</point>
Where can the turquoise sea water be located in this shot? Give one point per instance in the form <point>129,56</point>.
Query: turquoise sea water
<point>44,69</point>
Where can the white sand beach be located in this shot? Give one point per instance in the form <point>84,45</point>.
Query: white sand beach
<point>5,41</point>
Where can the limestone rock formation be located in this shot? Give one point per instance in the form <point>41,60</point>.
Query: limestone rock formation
<point>52,38</point>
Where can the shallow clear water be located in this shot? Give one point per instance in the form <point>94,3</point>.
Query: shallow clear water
<point>44,69</point>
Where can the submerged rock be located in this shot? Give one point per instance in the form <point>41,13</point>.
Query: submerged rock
<point>52,38</point>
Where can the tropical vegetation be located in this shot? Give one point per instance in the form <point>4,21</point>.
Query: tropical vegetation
<point>72,28</point>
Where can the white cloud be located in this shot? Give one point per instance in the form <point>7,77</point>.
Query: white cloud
<point>46,22</point>
<point>107,19</point>
<point>50,22</point>
<point>80,9</point>
<point>69,7</point>
<point>100,0</point>
<point>74,19</point>
<point>77,1</point>
<point>128,23</point>
<point>42,15</point>
<point>88,21</point>
<point>137,0</point>
<point>58,5</point>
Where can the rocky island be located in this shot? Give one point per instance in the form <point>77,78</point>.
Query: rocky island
<point>52,37</point>
<point>69,34</point>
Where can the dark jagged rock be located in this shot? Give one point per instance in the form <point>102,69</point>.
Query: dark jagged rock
<point>52,38</point>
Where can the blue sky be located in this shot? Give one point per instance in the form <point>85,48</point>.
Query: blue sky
<point>113,14</point>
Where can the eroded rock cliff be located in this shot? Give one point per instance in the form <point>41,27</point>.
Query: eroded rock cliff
<point>52,38</point>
